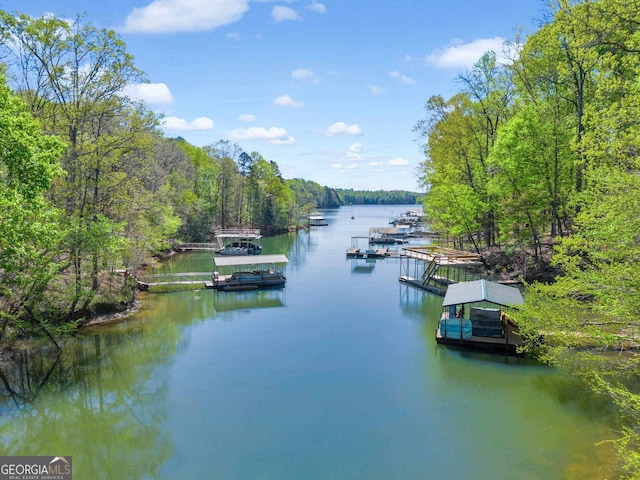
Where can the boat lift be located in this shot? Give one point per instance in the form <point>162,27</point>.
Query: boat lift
<point>436,267</point>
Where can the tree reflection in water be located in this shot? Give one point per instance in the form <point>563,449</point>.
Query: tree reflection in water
<point>100,399</point>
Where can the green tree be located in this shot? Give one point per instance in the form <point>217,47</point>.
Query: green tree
<point>272,202</point>
<point>72,76</point>
<point>490,87</point>
<point>29,224</point>
<point>527,179</point>
<point>592,308</point>
<point>562,49</point>
<point>452,173</point>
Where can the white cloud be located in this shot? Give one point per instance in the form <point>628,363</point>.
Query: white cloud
<point>272,135</point>
<point>287,101</point>
<point>165,16</point>
<point>175,123</point>
<point>341,128</point>
<point>355,147</point>
<point>375,164</point>
<point>375,90</point>
<point>465,55</point>
<point>354,152</point>
<point>403,78</point>
<point>281,14</point>
<point>304,74</point>
<point>345,167</point>
<point>233,36</point>
<point>398,162</point>
<point>318,7</point>
<point>150,93</point>
<point>407,58</point>
<point>247,117</point>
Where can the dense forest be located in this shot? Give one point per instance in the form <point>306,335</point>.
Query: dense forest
<point>538,156</point>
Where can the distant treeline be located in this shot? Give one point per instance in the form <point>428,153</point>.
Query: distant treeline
<point>378,197</point>
<point>311,195</point>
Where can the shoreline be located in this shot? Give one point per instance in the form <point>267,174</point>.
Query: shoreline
<point>112,318</point>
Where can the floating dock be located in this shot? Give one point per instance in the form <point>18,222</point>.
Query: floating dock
<point>486,326</point>
<point>261,273</point>
<point>356,251</point>
<point>506,343</point>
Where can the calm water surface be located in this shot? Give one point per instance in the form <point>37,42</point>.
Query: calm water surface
<point>338,376</point>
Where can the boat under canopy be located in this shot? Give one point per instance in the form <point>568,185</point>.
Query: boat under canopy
<point>249,278</point>
<point>238,241</point>
<point>316,219</point>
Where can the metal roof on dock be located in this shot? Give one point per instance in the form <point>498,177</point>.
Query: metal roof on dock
<point>482,290</point>
<point>249,260</point>
<point>238,233</point>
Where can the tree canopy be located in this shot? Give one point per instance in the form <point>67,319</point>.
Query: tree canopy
<point>541,156</point>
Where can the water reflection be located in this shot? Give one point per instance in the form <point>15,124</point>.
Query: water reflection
<point>230,301</point>
<point>362,266</point>
<point>101,395</point>
<point>24,375</point>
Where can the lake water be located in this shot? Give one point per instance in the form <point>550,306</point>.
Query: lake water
<point>337,376</point>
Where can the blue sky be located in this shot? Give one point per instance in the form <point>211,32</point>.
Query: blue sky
<point>329,89</point>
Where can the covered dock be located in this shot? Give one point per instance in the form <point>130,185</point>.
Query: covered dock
<point>238,241</point>
<point>483,324</point>
<point>434,268</point>
<point>249,272</point>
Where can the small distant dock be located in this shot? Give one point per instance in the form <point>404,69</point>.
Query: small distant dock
<point>368,252</point>
<point>434,268</point>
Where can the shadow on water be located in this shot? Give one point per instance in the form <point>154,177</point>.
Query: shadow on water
<point>105,384</point>
<point>24,374</point>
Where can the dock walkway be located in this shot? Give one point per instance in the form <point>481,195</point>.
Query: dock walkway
<point>182,279</point>
<point>182,247</point>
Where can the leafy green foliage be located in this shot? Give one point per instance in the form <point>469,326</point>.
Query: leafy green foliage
<point>30,227</point>
<point>555,145</point>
